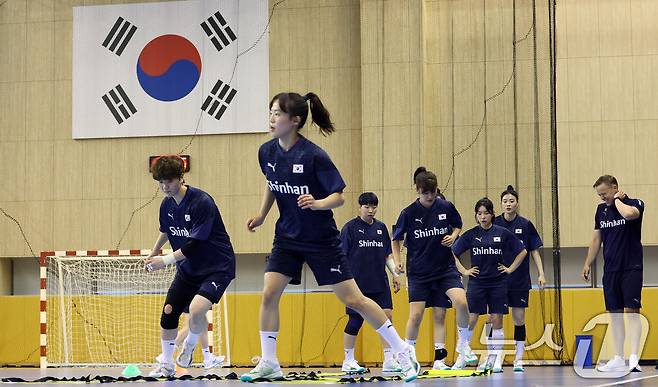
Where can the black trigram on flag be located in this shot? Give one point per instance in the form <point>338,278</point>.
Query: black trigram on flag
<point>220,34</point>
<point>217,102</point>
<point>119,36</point>
<point>119,104</point>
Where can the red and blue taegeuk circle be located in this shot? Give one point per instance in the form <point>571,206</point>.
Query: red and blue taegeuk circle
<point>169,67</point>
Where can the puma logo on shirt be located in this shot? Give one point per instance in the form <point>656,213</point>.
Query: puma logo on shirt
<point>273,166</point>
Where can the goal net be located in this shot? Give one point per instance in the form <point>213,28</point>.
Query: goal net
<point>101,308</point>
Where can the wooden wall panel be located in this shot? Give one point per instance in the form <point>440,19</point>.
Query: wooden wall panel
<point>405,83</point>
<point>607,82</point>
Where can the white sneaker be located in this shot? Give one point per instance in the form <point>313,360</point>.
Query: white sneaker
<point>460,363</point>
<point>163,370</point>
<point>616,364</point>
<point>518,366</point>
<point>468,356</point>
<point>408,364</point>
<point>634,363</point>
<point>391,366</point>
<point>264,370</point>
<point>352,367</point>
<point>213,361</point>
<point>184,359</point>
<point>486,362</point>
<point>440,365</point>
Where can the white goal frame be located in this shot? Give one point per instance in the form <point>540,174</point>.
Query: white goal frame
<point>71,255</point>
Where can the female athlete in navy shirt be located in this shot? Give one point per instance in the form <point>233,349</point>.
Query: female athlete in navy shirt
<point>367,245</point>
<point>490,245</point>
<point>518,283</point>
<point>203,254</point>
<point>306,186</point>
<point>428,227</point>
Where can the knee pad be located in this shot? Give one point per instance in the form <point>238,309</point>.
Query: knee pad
<point>519,333</point>
<point>170,320</point>
<point>440,354</point>
<point>353,325</point>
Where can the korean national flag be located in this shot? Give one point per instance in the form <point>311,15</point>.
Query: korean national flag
<point>170,68</point>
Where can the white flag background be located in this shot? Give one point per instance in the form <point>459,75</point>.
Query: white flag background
<point>170,97</point>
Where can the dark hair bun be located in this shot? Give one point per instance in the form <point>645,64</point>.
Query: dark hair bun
<point>418,171</point>
<point>510,188</point>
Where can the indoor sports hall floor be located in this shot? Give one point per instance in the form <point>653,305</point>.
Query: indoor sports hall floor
<point>534,376</point>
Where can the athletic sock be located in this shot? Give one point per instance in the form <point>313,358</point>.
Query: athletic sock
<point>497,337</point>
<point>168,350</point>
<point>349,354</point>
<point>206,354</point>
<point>191,339</point>
<point>268,346</point>
<point>520,348</point>
<point>519,338</point>
<point>388,333</point>
<point>464,335</point>
<point>388,354</point>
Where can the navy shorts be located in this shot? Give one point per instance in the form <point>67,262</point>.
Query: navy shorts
<point>383,299</point>
<point>622,289</point>
<point>485,300</point>
<point>183,289</point>
<point>518,298</point>
<point>434,292</point>
<point>328,266</point>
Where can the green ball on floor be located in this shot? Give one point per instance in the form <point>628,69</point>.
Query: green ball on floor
<point>131,371</point>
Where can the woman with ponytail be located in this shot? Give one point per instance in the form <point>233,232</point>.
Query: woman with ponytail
<point>306,186</point>
<point>518,283</point>
<point>429,226</point>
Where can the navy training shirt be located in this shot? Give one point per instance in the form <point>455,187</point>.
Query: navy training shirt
<point>303,169</point>
<point>488,249</point>
<point>197,217</point>
<point>423,230</point>
<point>526,232</point>
<point>367,247</point>
<point>622,246</point>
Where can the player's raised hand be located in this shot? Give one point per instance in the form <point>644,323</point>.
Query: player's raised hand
<point>154,263</point>
<point>621,195</point>
<point>255,222</point>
